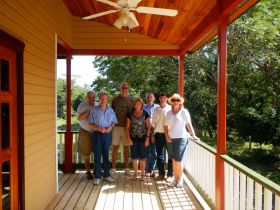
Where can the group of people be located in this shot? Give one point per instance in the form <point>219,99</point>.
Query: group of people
<point>147,129</point>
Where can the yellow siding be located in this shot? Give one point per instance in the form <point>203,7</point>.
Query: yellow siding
<point>35,22</point>
<point>93,35</point>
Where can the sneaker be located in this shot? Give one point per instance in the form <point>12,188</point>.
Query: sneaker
<point>173,183</point>
<point>96,181</point>
<point>180,183</point>
<point>127,171</point>
<point>89,175</point>
<point>109,179</point>
<point>169,178</point>
<point>114,173</point>
<point>160,177</point>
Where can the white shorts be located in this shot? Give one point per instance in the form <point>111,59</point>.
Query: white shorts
<point>119,136</point>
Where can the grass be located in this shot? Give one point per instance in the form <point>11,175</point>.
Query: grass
<point>264,159</point>
<point>61,124</point>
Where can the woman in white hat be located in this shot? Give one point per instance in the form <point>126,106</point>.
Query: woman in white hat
<point>176,121</point>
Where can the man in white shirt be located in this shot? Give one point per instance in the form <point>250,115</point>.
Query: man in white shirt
<point>159,137</point>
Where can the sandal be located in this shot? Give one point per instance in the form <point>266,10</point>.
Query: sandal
<point>135,177</point>
<point>143,177</point>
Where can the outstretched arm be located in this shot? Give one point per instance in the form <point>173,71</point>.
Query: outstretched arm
<point>191,130</point>
<point>83,116</point>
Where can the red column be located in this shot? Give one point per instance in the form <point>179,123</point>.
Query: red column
<point>221,112</point>
<point>181,74</point>
<point>68,167</point>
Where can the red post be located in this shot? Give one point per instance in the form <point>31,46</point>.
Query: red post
<point>68,167</point>
<point>221,112</point>
<point>181,74</point>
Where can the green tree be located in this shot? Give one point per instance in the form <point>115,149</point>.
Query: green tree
<point>61,98</point>
<point>78,95</point>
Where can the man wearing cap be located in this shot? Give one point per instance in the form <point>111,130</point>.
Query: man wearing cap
<point>85,132</point>
<point>160,141</point>
<point>175,124</point>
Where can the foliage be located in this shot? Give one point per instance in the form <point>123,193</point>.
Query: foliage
<point>78,95</point>
<point>253,111</point>
<point>140,72</point>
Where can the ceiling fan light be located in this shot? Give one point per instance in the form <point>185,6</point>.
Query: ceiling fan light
<point>119,23</point>
<point>131,23</point>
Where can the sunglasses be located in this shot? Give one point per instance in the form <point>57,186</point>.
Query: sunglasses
<point>124,87</point>
<point>173,100</point>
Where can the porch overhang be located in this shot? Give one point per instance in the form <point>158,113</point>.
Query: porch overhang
<point>196,23</point>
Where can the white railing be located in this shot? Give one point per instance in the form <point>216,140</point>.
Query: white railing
<point>199,163</point>
<point>77,158</point>
<point>246,189</point>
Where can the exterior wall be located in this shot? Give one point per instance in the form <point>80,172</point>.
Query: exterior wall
<point>35,23</point>
<point>93,35</point>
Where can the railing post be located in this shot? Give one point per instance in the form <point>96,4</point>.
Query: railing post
<point>68,161</point>
<point>181,74</point>
<point>221,112</point>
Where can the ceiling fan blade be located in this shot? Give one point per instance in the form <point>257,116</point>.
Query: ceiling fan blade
<point>100,14</point>
<point>157,11</point>
<point>110,3</point>
<point>133,3</point>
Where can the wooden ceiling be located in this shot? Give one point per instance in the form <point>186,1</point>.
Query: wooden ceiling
<point>194,25</point>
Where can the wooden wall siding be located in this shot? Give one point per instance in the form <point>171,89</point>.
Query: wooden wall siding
<point>35,22</point>
<point>94,35</point>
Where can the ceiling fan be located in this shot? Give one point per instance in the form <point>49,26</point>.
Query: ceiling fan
<point>127,17</point>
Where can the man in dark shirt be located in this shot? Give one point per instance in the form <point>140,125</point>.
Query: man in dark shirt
<point>122,105</point>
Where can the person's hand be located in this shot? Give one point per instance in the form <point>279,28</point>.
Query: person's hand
<point>108,129</point>
<point>129,141</point>
<point>102,130</point>
<point>147,142</point>
<point>168,139</point>
<point>196,138</point>
<point>153,138</point>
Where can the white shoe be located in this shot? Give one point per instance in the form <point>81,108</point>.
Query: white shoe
<point>127,171</point>
<point>169,179</point>
<point>173,183</point>
<point>180,183</point>
<point>96,181</point>
<point>109,179</point>
<point>114,173</point>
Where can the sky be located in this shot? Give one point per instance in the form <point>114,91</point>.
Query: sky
<point>81,67</point>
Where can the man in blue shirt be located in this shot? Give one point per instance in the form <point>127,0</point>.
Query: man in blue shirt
<point>151,150</point>
<point>102,119</point>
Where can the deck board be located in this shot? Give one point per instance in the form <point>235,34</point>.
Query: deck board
<point>76,192</point>
<point>119,199</point>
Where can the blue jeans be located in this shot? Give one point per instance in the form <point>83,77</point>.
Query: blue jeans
<point>160,143</point>
<point>176,148</point>
<point>102,143</point>
<point>137,149</point>
<point>151,159</point>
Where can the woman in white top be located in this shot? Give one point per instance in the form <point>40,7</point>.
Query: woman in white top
<point>176,121</point>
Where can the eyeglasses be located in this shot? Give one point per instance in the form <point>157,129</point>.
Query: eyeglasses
<point>177,100</point>
<point>124,87</point>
